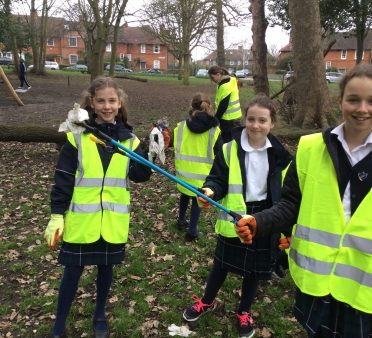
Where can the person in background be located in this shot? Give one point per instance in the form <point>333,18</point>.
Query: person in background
<point>196,142</point>
<point>227,103</point>
<point>22,75</point>
<point>246,175</point>
<point>327,194</point>
<point>90,201</point>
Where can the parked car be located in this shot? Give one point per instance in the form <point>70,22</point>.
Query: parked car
<point>289,75</point>
<point>202,73</point>
<point>119,68</point>
<point>333,77</point>
<point>51,65</point>
<point>78,68</point>
<point>5,60</point>
<point>154,71</point>
<point>242,73</point>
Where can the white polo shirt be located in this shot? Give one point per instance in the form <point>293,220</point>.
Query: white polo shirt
<point>256,168</point>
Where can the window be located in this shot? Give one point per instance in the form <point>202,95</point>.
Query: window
<point>239,62</point>
<point>156,64</point>
<point>129,56</point>
<point>246,63</point>
<point>356,55</point>
<point>121,56</point>
<point>72,41</point>
<point>108,48</point>
<point>50,42</point>
<point>73,59</point>
<point>343,54</point>
<point>231,62</point>
<point>157,49</point>
<point>143,48</point>
<point>328,64</point>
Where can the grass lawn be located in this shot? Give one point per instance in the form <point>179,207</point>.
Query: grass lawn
<point>161,271</point>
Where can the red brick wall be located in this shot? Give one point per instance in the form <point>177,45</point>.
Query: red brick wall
<point>334,58</point>
<point>63,50</point>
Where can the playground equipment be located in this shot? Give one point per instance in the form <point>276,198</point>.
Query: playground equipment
<point>10,87</point>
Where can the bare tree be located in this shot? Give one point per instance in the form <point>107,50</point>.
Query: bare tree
<point>180,24</point>
<point>94,20</point>
<point>120,13</point>
<point>229,13</point>
<point>259,47</point>
<point>310,87</point>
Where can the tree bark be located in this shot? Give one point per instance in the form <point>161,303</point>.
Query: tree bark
<point>27,134</point>
<point>219,34</point>
<point>310,87</point>
<point>259,47</point>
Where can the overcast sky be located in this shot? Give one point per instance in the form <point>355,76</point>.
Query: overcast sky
<point>275,37</point>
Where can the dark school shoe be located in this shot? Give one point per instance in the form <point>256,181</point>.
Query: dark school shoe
<point>190,238</point>
<point>193,313</point>
<point>182,225</point>
<point>245,325</point>
<point>63,335</point>
<point>100,333</point>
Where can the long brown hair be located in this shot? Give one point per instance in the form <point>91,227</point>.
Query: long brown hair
<point>262,100</point>
<point>361,70</point>
<point>102,82</point>
<point>201,102</point>
<point>217,70</point>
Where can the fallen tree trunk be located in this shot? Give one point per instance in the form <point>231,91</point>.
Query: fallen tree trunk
<point>27,134</point>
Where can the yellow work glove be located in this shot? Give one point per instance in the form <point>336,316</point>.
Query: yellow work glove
<point>54,230</point>
<point>204,204</point>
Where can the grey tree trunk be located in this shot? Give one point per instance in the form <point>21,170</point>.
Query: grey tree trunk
<point>310,86</point>
<point>259,47</point>
<point>219,34</point>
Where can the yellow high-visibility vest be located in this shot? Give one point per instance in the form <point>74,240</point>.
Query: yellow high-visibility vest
<point>100,204</point>
<point>234,199</point>
<point>233,111</point>
<point>329,255</point>
<point>193,155</point>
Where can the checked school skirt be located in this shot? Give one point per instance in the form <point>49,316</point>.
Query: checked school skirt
<point>257,259</point>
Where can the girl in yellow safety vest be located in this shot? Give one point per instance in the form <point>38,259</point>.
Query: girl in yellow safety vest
<point>90,201</point>
<point>327,194</point>
<point>246,175</point>
<point>196,142</point>
<point>227,104</point>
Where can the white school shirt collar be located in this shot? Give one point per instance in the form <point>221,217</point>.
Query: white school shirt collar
<point>339,131</point>
<point>248,148</point>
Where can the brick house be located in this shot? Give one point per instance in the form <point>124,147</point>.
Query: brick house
<point>234,58</point>
<point>63,44</point>
<point>342,54</point>
<point>141,49</point>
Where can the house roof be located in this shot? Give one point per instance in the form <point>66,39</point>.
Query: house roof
<point>344,40</point>
<point>137,35</point>
<point>231,54</point>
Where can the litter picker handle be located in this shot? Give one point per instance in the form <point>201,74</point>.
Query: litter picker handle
<point>134,156</point>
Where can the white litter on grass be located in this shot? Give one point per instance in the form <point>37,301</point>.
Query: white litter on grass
<point>182,331</point>
<point>75,115</point>
<point>156,146</point>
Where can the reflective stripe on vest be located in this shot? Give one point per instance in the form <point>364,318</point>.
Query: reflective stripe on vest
<point>328,255</point>
<point>233,200</point>
<point>193,155</point>
<point>100,204</point>
<point>233,110</point>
